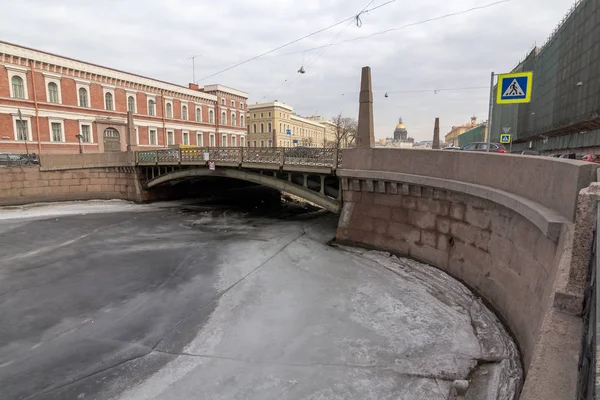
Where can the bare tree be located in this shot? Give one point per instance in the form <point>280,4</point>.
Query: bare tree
<point>345,131</point>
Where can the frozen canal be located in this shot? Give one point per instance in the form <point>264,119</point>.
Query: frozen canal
<point>111,300</point>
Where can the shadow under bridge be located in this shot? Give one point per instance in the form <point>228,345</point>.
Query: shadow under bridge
<point>308,173</point>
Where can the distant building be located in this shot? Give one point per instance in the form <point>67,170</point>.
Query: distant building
<point>451,137</point>
<point>475,134</point>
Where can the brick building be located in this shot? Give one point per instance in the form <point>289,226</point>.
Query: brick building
<point>63,101</point>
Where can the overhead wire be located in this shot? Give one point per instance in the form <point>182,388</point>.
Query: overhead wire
<point>353,17</point>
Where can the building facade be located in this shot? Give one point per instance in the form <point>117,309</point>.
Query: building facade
<point>69,106</point>
<point>451,138</point>
<point>400,133</point>
<point>274,124</point>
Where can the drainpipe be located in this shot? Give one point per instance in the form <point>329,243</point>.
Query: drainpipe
<point>217,116</point>
<point>37,111</point>
<point>162,94</point>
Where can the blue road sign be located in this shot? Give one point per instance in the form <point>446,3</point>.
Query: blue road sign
<point>504,138</point>
<point>514,88</point>
<point>295,141</point>
<point>288,131</point>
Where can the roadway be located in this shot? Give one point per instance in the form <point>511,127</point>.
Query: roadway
<point>110,300</point>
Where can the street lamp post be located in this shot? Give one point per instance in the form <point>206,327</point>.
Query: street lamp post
<point>23,131</point>
<point>79,137</point>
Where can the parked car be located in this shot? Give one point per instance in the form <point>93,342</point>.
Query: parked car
<point>451,148</point>
<point>482,146</point>
<point>572,156</point>
<point>595,158</point>
<point>529,153</point>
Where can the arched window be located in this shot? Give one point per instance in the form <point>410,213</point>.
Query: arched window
<point>151,107</point>
<point>248,128</point>
<point>108,101</point>
<point>169,110</point>
<point>184,113</point>
<point>198,114</point>
<point>17,87</point>
<point>233,119</point>
<point>262,128</point>
<point>241,120</point>
<point>52,92</point>
<point>223,118</point>
<point>254,128</point>
<point>83,97</point>
<point>211,117</point>
<point>131,104</point>
<point>269,127</point>
<point>280,127</point>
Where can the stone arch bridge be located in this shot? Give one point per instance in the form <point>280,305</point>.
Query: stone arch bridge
<point>309,173</point>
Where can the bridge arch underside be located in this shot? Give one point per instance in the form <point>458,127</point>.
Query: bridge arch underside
<point>322,190</point>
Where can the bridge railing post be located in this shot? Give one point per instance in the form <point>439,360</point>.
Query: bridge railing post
<point>335,161</point>
<point>156,156</point>
<point>282,156</point>
<point>179,156</point>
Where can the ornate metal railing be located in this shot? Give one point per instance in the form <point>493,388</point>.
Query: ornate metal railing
<point>275,156</point>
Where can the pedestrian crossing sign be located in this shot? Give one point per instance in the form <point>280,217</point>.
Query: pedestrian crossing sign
<point>505,138</point>
<point>514,88</point>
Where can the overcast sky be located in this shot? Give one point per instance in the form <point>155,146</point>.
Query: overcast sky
<point>156,38</point>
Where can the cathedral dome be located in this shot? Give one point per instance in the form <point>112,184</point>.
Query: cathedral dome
<point>400,124</point>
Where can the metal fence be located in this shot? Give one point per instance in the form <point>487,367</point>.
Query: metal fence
<point>8,160</point>
<point>275,156</point>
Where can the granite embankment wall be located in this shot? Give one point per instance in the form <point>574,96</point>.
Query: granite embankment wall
<point>504,225</point>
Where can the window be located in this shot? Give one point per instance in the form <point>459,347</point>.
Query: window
<point>224,141</point>
<point>198,114</point>
<point>233,141</point>
<point>280,127</point>
<point>255,143</point>
<point>22,131</point>
<point>211,142</point>
<point>269,114</point>
<point>248,128</point>
<point>18,87</point>
<point>52,93</point>
<point>56,128</point>
<point>169,110</point>
<point>280,143</point>
<point>223,101</point>
<point>151,107</point>
<point>131,104</point>
<point>86,134</point>
<point>170,138</point>
<point>269,127</point>
<point>254,116</point>
<point>233,119</point>
<point>199,139</point>
<point>241,120</point>
<point>232,103</point>
<point>83,97</point>
<point>262,143</point>
<point>186,138</point>
<point>223,118</point>
<point>108,101</point>
<point>152,137</point>
<point>242,141</point>
<point>262,115</point>
<point>211,117</point>
<point>184,113</point>
<point>262,128</point>
<point>254,128</point>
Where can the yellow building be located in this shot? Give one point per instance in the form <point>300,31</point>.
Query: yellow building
<point>274,124</point>
<point>451,138</point>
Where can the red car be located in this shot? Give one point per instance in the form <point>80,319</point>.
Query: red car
<point>595,158</point>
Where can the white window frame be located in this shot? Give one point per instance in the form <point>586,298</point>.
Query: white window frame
<point>172,132</point>
<point>233,119</point>
<point>21,72</point>
<point>62,129</point>
<point>148,99</point>
<point>224,113</point>
<point>241,120</point>
<point>187,112</point>
<point>85,86</point>
<point>211,140</point>
<point>232,103</point>
<point>134,95</point>
<point>223,101</point>
<point>199,139</point>
<point>26,119</point>
<point>198,115</point>
<point>233,141</point>
<point>241,105</point>
<point>114,100</point>
<point>242,141</point>
<point>56,80</point>
<point>183,141</point>
<point>88,123</point>
<point>150,136</point>
<point>172,111</point>
<point>224,140</point>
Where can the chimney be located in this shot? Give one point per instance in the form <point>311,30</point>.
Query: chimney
<point>193,86</point>
<point>473,121</point>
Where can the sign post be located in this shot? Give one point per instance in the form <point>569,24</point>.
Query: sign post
<point>505,138</point>
<point>490,112</point>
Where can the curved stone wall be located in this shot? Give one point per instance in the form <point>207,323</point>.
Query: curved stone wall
<point>512,250</point>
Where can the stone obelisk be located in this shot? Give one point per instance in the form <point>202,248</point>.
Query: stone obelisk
<point>365,136</point>
<point>436,134</point>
